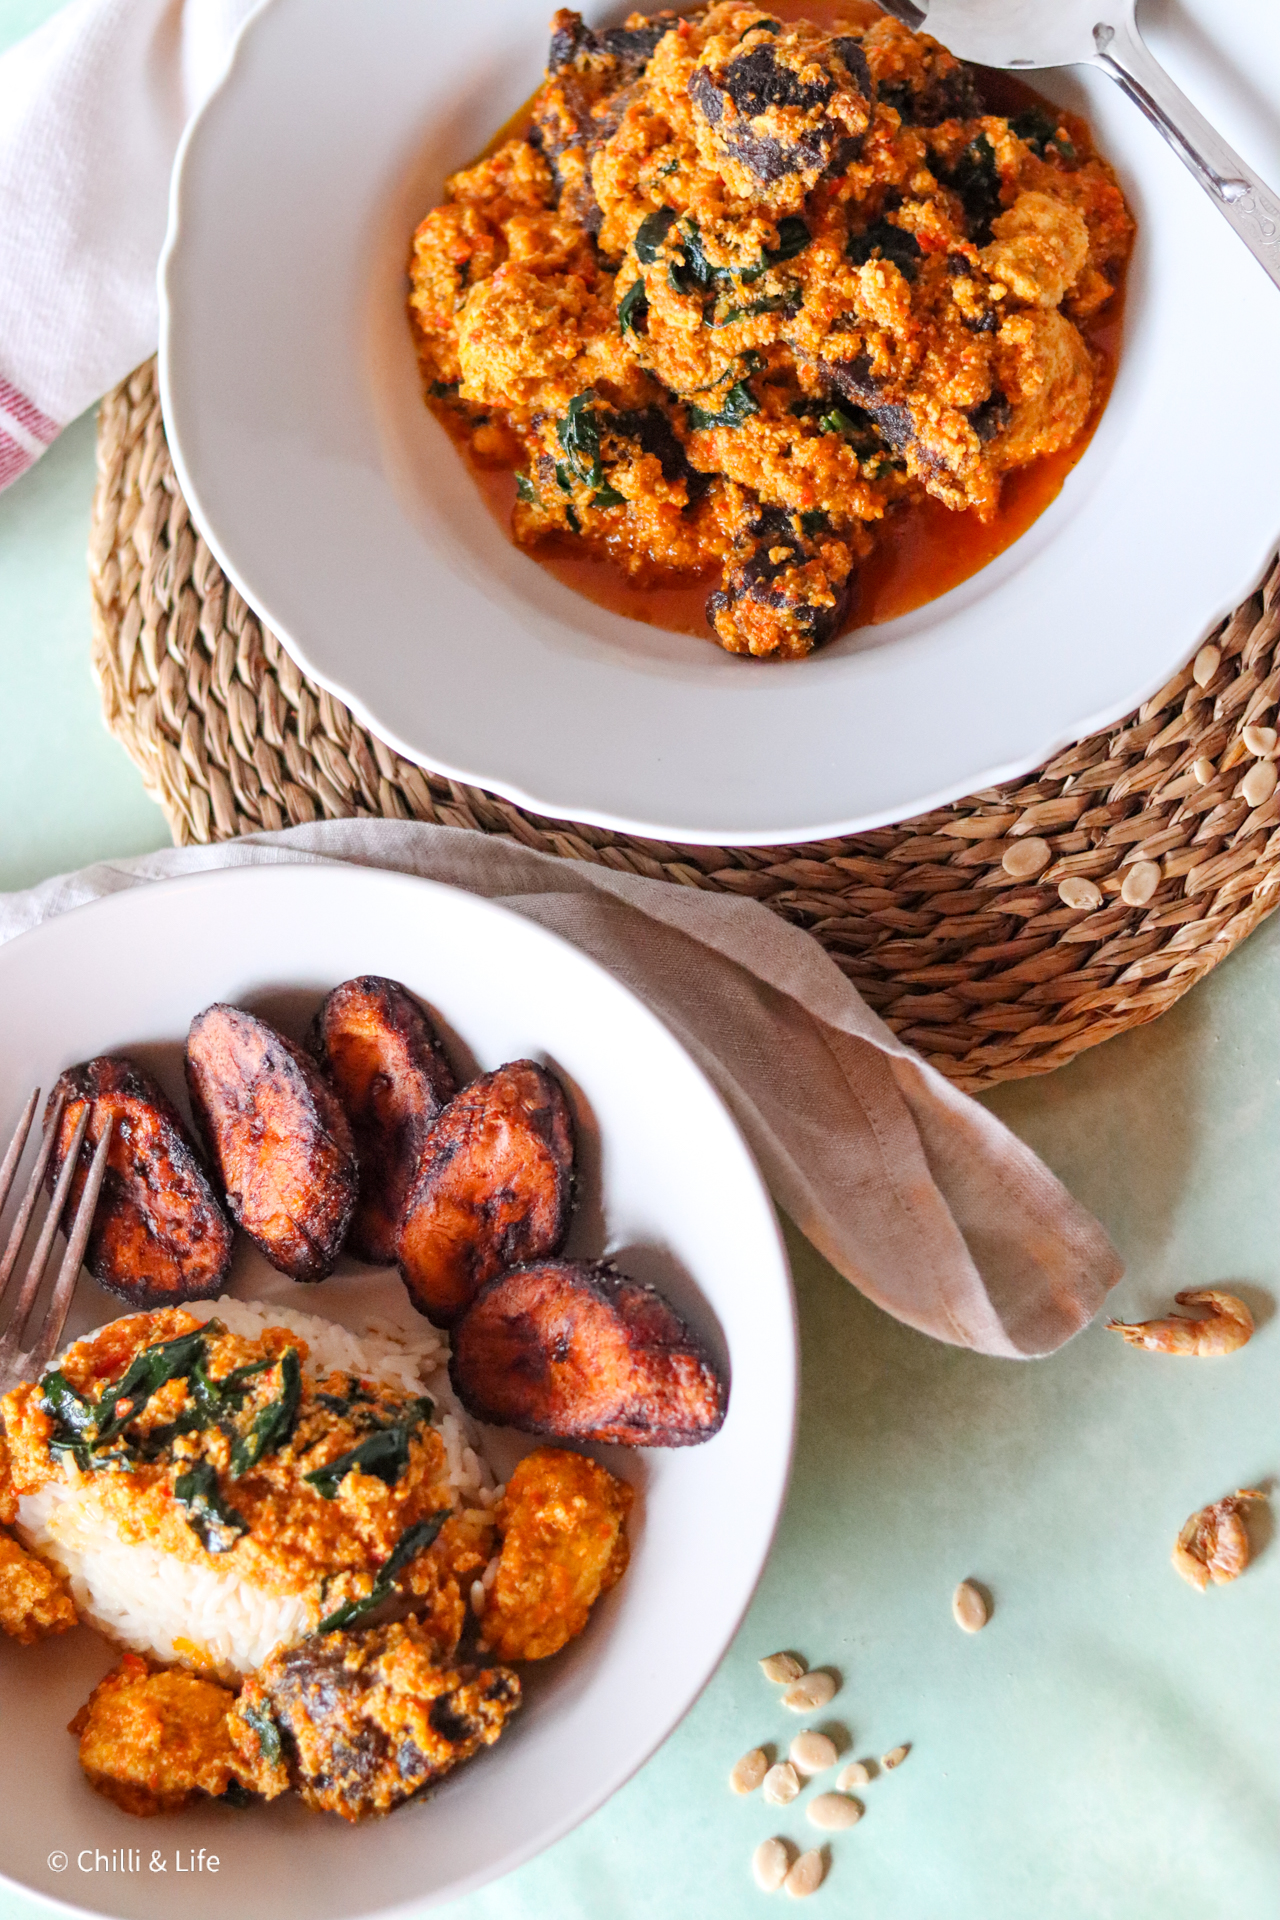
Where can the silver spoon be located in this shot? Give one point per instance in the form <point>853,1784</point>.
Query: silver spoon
<point>1103,33</point>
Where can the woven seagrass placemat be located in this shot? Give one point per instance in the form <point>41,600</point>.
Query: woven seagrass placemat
<point>999,936</point>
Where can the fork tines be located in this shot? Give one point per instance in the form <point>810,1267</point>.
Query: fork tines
<point>15,1365</point>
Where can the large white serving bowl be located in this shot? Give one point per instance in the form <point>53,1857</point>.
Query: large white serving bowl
<point>339,508</point>
<point>667,1184</point>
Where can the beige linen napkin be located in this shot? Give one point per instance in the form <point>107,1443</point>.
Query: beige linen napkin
<point>912,1190</point>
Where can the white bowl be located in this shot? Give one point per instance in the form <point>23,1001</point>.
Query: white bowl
<point>340,509</point>
<point>668,1184</point>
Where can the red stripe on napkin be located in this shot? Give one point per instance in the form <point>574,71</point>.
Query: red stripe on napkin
<point>25,413</point>
<point>13,458</point>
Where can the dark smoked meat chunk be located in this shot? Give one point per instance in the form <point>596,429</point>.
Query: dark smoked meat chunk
<point>360,1721</point>
<point>652,431</point>
<point>592,77</point>
<point>943,89</point>
<point>991,417</point>
<point>785,592</point>
<point>624,435</point>
<point>854,380</point>
<point>774,118</point>
<point>573,1350</point>
<point>159,1235</point>
<point>574,44</point>
<point>902,429</point>
<point>571,41</point>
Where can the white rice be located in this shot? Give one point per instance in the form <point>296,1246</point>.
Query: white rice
<point>148,1600</point>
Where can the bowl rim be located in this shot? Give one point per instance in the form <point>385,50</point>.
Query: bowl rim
<point>266,879</point>
<point>551,789</point>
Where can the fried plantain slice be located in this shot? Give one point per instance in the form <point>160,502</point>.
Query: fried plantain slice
<point>159,1235</point>
<point>495,1187</point>
<point>574,1350</point>
<point>278,1138</point>
<point>385,1059</point>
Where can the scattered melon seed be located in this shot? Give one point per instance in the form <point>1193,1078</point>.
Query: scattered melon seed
<point>813,1752</point>
<point>856,1774</point>
<point>781,1784</point>
<point>782,1668</point>
<point>1026,857</point>
<point>805,1876</point>
<point>750,1771</point>
<point>894,1758</point>
<point>1259,783</point>
<point>834,1811</point>
<point>1140,883</point>
<point>815,1690</point>
<point>1204,770</point>
<point>1260,740</point>
<point>1206,664</point>
<point>969,1607</point>
<point>769,1864</point>
<point>1081,895</point>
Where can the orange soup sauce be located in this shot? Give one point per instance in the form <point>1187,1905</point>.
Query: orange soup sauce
<point>921,551</point>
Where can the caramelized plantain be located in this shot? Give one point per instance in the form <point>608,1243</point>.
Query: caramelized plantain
<point>494,1187</point>
<point>574,1350</point>
<point>277,1136</point>
<point>384,1058</point>
<point>159,1235</point>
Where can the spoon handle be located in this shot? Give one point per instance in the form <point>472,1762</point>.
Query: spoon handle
<point>1235,189</point>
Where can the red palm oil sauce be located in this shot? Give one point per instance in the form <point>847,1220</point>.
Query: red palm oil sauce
<point>922,550</point>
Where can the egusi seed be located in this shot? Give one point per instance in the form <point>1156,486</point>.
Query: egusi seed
<point>769,1864</point>
<point>969,1607</point>
<point>815,1690</point>
<point>750,1771</point>
<point>805,1876</point>
<point>1206,664</point>
<point>782,1668</point>
<point>781,1784</point>
<point>1026,857</point>
<point>894,1758</point>
<point>1141,881</point>
<point>1259,783</point>
<point>856,1774</point>
<point>834,1811</point>
<point>1081,895</point>
<point>813,1753</point>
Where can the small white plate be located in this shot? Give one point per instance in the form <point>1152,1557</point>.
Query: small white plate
<point>667,1184</point>
<point>339,508</point>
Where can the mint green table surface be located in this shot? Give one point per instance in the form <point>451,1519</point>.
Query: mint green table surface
<point>1109,1748</point>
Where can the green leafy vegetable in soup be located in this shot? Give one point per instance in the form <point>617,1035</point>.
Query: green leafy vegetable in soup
<point>211,1518</point>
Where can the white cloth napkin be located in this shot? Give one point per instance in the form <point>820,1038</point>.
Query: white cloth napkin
<point>92,106</point>
<point>911,1189</point>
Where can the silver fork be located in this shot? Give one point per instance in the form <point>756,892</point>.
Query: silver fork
<point>1023,34</point>
<point>15,1365</point>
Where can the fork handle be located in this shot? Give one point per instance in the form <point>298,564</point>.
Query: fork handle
<point>1235,189</point>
